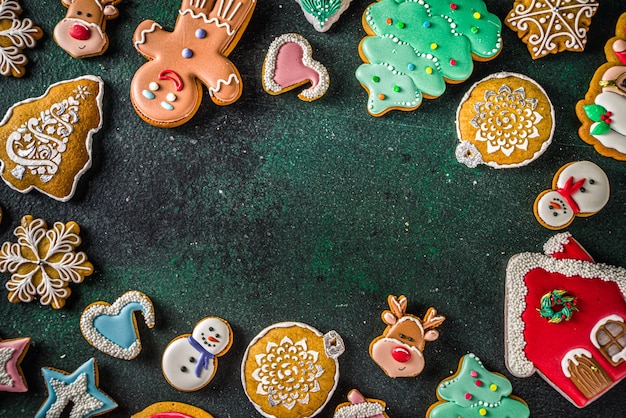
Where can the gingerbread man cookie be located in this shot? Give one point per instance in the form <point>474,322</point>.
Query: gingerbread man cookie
<point>81,33</point>
<point>167,90</point>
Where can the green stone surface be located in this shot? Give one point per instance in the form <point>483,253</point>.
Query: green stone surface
<point>274,209</point>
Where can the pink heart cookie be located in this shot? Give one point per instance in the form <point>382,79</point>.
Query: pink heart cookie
<point>289,64</point>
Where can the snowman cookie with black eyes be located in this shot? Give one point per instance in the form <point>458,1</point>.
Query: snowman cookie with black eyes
<point>579,189</point>
<point>190,360</point>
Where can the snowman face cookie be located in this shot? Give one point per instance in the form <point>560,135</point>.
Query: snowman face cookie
<point>579,189</point>
<point>190,360</point>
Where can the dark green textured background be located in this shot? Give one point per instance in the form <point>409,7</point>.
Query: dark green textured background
<point>273,209</point>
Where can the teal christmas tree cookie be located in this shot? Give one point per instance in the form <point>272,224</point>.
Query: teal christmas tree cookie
<point>416,46</point>
<point>476,392</point>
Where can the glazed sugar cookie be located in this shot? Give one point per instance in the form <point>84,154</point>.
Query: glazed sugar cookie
<point>15,35</point>
<point>112,329</point>
<point>416,47</point>
<point>475,391</point>
<point>359,407</point>
<point>82,32</point>
<point>289,64</point>
<point>45,142</point>
<point>603,111</point>
<point>323,13</point>
<point>167,90</point>
<point>308,370</point>
<point>551,26</point>
<point>78,390</point>
<point>582,355</point>
<point>579,189</point>
<point>190,360</point>
<point>172,410</point>
<point>505,120</point>
<point>398,351</point>
<point>43,262</point>
<point>12,353</point>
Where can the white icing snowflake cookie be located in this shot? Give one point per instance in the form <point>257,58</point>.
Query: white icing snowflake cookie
<point>551,26</point>
<point>15,35</point>
<point>43,262</point>
<point>307,370</point>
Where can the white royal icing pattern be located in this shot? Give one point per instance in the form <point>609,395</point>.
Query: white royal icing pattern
<point>5,355</point>
<point>553,19</point>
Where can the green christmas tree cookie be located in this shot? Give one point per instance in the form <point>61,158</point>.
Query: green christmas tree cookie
<point>416,46</point>
<point>476,392</point>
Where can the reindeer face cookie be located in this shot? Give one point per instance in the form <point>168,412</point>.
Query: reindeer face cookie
<point>167,90</point>
<point>579,189</point>
<point>399,350</point>
<point>81,33</point>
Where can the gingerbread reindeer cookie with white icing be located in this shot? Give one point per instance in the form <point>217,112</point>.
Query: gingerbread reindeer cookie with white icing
<point>167,90</point>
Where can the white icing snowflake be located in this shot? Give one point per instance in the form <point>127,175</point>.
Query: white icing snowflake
<point>18,35</point>
<point>287,373</point>
<point>43,262</point>
<point>550,26</point>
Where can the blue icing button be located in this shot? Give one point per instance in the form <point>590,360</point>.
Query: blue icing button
<point>187,53</point>
<point>148,94</point>
<point>167,106</point>
<point>120,328</point>
<point>200,33</point>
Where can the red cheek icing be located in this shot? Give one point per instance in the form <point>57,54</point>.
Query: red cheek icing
<point>80,32</point>
<point>401,354</point>
<point>290,69</point>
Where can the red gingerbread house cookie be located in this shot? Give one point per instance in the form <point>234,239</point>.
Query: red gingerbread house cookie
<point>566,320</point>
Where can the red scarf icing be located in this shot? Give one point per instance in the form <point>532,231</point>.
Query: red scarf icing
<point>568,189</point>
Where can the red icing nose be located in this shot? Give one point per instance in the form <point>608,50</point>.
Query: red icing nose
<point>401,354</point>
<point>80,32</point>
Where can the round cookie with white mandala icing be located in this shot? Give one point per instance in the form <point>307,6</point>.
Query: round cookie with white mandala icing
<point>414,48</point>
<point>505,120</point>
<point>290,370</point>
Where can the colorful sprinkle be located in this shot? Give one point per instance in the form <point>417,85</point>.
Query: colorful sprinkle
<point>429,70</point>
<point>476,15</point>
<point>167,106</point>
<point>147,94</point>
<point>427,24</point>
<point>375,79</point>
<point>452,62</point>
<point>396,88</point>
<point>200,33</point>
<point>389,21</point>
<point>434,46</point>
<point>411,67</point>
<point>474,373</point>
<point>453,6</point>
<point>479,383</point>
<point>493,387</point>
<point>401,25</point>
<point>474,29</point>
<point>381,96</point>
<point>468,396</point>
<point>187,53</point>
<point>482,412</point>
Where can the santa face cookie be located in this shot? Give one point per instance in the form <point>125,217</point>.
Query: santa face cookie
<point>290,370</point>
<point>190,361</point>
<point>504,121</point>
<point>415,47</point>
<point>579,189</point>
<point>399,350</point>
<point>603,111</point>
<point>551,26</point>
<point>582,355</point>
<point>167,90</point>
<point>82,32</point>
